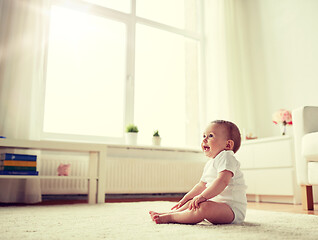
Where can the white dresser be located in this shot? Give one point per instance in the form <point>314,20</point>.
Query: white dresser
<point>269,168</point>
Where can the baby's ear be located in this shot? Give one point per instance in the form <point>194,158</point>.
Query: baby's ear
<point>229,145</point>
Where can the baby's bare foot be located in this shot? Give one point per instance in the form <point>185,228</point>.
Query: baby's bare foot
<point>156,219</point>
<point>152,214</point>
<point>160,219</point>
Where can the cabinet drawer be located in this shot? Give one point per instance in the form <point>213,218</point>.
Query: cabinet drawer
<point>273,154</point>
<point>274,181</point>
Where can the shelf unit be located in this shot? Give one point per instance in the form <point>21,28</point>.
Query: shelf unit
<point>97,161</point>
<point>45,177</point>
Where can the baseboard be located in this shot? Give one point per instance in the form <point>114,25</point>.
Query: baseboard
<point>77,198</point>
<point>271,199</point>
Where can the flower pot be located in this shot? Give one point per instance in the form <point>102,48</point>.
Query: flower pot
<point>131,138</point>
<point>156,141</point>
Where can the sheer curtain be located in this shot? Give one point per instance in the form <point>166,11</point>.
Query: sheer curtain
<point>22,25</point>
<point>229,85</point>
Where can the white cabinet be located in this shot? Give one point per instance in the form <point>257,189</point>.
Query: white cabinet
<point>269,169</point>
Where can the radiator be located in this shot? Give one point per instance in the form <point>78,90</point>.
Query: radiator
<point>123,175</point>
<point>129,175</point>
<point>48,167</point>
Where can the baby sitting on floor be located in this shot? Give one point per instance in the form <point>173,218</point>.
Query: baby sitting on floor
<point>220,195</point>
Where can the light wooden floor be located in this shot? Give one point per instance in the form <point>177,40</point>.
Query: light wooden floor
<point>279,207</point>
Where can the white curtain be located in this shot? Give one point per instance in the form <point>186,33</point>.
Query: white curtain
<point>229,85</point>
<point>22,34</point>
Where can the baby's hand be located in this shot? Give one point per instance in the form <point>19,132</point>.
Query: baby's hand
<point>195,202</point>
<point>176,206</point>
<point>179,204</point>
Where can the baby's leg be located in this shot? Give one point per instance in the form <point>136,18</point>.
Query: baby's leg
<point>184,207</point>
<point>216,213</point>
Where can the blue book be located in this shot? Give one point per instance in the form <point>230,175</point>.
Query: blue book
<point>17,168</point>
<point>20,157</point>
<point>33,173</point>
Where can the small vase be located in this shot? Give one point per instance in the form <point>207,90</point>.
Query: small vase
<point>283,129</point>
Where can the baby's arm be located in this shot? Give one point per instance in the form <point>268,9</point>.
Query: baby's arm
<point>196,190</point>
<point>215,189</point>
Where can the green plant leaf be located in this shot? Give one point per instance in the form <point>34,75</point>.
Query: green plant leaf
<point>156,133</point>
<point>132,128</point>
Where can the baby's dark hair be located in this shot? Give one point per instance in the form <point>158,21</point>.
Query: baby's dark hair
<point>233,133</point>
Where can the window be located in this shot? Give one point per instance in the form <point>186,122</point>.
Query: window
<point>85,75</point>
<point>106,69</point>
<point>119,5</point>
<point>181,14</point>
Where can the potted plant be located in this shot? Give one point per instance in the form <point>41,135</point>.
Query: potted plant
<point>131,134</point>
<point>156,139</point>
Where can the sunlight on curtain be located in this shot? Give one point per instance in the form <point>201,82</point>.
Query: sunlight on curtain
<point>22,25</point>
<point>229,85</point>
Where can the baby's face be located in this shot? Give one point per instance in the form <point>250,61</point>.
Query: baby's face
<point>214,140</point>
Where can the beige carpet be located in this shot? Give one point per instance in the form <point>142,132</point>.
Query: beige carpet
<point>131,221</point>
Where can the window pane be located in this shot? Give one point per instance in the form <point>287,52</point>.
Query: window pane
<point>178,13</point>
<point>161,85</point>
<point>119,5</point>
<point>85,75</point>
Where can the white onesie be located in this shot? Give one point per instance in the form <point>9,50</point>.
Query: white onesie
<point>235,193</point>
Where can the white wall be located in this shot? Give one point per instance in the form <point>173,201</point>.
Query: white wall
<point>283,38</point>
<point>265,53</point>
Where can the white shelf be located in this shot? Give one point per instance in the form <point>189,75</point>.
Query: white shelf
<point>97,161</point>
<point>268,139</point>
<point>45,177</point>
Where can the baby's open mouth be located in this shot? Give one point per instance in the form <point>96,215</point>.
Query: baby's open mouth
<point>206,148</point>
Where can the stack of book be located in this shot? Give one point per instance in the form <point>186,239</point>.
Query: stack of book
<point>18,164</point>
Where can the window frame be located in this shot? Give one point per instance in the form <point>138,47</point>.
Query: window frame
<point>130,20</point>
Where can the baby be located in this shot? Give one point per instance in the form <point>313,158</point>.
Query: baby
<point>220,196</point>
